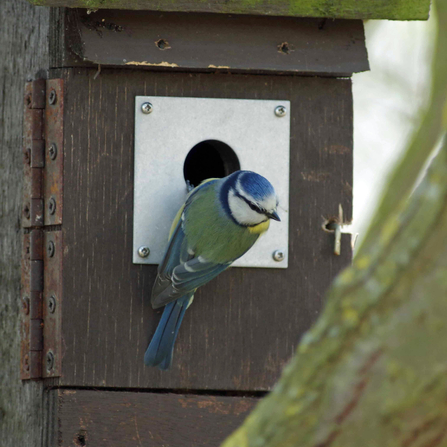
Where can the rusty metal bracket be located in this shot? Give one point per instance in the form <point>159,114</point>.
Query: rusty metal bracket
<point>34,106</point>
<point>32,290</point>
<point>54,155</point>
<point>52,304</point>
<point>35,307</point>
<point>42,206</point>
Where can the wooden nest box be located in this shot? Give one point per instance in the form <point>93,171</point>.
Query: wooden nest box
<point>87,317</point>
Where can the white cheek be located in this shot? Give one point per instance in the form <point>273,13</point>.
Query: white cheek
<point>242,213</point>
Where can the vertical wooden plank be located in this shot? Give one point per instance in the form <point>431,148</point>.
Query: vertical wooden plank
<point>244,325</point>
<point>23,52</point>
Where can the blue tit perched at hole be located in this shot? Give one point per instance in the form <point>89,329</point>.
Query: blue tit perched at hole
<point>219,222</point>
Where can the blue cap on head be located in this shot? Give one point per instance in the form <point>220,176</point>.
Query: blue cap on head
<point>256,185</point>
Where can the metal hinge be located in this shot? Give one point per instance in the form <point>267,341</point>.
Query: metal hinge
<point>42,244</point>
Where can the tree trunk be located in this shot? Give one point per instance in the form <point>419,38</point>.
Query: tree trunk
<point>23,51</point>
<point>373,370</point>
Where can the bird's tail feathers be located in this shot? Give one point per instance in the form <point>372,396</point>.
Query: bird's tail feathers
<point>160,350</point>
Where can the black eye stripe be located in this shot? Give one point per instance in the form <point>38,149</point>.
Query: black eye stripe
<point>250,204</point>
<point>254,207</point>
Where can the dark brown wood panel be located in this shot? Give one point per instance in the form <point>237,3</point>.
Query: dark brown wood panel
<point>213,42</point>
<point>245,324</point>
<point>114,419</point>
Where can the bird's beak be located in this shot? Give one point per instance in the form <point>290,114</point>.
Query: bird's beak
<point>274,216</point>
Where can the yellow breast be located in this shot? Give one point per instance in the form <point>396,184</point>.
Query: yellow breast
<point>260,228</point>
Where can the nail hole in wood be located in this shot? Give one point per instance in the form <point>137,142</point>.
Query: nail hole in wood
<point>81,438</point>
<point>330,224</point>
<point>321,24</point>
<point>285,48</point>
<point>162,44</point>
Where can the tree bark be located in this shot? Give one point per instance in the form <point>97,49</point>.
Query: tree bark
<point>372,371</point>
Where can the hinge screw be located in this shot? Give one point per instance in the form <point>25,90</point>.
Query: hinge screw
<point>29,100</point>
<point>279,255</point>
<point>26,362</point>
<point>50,249</point>
<point>53,97</point>
<point>52,304</point>
<point>280,111</point>
<point>25,304</point>
<point>27,156</point>
<point>52,205</point>
<point>26,211</point>
<point>143,252</point>
<point>52,151</point>
<point>50,361</point>
<point>147,107</point>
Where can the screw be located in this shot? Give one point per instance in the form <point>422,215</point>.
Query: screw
<point>280,111</point>
<point>28,100</point>
<point>147,107</point>
<point>52,304</point>
<point>143,252</point>
<point>52,151</point>
<point>279,255</point>
<point>26,211</point>
<point>26,362</point>
<point>52,205</point>
<point>53,97</point>
<point>50,249</point>
<point>50,361</point>
<point>25,305</point>
<point>27,156</point>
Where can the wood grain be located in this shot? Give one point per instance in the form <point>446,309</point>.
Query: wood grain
<point>344,9</point>
<point>114,419</point>
<point>244,326</point>
<point>23,52</point>
<point>154,40</point>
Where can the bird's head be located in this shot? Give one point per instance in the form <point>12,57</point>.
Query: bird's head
<point>251,198</point>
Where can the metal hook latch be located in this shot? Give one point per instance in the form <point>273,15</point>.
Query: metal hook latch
<point>333,225</point>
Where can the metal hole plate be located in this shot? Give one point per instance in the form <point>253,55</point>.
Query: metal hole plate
<point>173,127</point>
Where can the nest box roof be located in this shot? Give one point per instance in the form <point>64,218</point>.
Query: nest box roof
<point>345,9</point>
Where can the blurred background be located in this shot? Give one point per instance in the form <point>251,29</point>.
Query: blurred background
<point>388,101</point>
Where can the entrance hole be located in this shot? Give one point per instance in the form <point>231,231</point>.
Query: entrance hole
<point>209,159</point>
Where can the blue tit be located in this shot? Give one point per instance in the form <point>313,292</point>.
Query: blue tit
<point>219,222</point>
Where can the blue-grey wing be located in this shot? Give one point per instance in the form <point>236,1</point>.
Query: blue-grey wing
<point>181,272</point>
<point>186,278</point>
<point>176,254</point>
<point>178,251</point>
